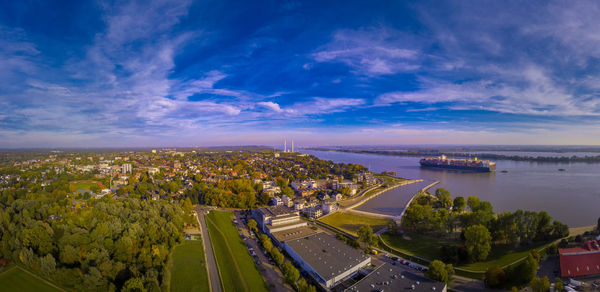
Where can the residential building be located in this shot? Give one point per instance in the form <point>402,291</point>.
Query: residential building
<point>126,168</point>
<point>276,201</point>
<point>329,206</point>
<point>287,201</point>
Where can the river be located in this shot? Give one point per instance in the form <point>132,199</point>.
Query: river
<point>571,196</point>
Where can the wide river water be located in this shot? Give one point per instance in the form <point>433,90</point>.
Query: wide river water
<point>571,196</point>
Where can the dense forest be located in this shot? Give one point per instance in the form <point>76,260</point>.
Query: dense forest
<point>103,245</point>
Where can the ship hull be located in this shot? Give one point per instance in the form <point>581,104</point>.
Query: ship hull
<point>458,167</point>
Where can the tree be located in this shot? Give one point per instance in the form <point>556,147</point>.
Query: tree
<point>134,285</point>
<point>302,285</point>
<point>558,285</point>
<point>598,226</point>
<point>495,277</point>
<point>473,203</point>
<point>365,234</point>
<point>277,256</point>
<point>252,225</point>
<point>392,226</point>
<point>443,196</point>
<point>48,265</point>
<point>478,242</point>
<point>540,284</point>
<point>290,273</point>
<point>524,272</point>
<point>187,206</point>
<point>459,204</point>
<point>440,272</point>
<point>266,242</point>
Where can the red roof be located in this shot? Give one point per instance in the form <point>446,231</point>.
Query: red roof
<point>580,261</point>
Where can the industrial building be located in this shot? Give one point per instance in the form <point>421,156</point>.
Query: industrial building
<point>325,258</point>
<point>580,261</point>
<point>390,278</point>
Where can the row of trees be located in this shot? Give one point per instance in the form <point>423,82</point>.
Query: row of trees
<point>290,273</point>
<point>103,244</point>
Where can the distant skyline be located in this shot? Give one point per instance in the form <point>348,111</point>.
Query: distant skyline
<point>202,73</point>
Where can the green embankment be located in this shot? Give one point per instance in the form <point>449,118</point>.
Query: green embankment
<point>351,222</point>
<point>188,269</point>
<point>16,279</point>
<point>236,267</point>
<point>429,249</point>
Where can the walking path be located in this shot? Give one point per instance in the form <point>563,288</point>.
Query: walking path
<point>365,199</point>
<point>214,282</point>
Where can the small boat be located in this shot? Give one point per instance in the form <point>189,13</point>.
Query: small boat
<point>504,171</point>
<point>561,169</point>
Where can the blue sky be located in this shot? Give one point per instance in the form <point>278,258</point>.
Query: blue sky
<point>196,73</point>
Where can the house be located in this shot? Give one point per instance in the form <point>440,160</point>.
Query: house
<point>276,201</point>
<point>287,201</point>
<point>314,212</point>
<point>329,206</point>
<point>299,204</point>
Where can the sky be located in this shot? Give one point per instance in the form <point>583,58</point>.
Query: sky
<point>201,73</point>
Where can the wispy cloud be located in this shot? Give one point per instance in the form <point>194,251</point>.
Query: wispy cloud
<point>370,52</point>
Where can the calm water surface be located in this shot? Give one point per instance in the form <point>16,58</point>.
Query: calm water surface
<point>571,196</point>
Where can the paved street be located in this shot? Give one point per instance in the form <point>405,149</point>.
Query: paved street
<point>211,264</point>
<point>271,273</point>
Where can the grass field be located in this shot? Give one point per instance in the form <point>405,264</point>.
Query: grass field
<point>15,279</point>
<point>236,267</point>
<point>429,248</point>
<point>188,270</point>
<point>85,185</point>
<point>351,222</point>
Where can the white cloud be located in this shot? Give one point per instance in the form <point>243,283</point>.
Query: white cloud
<point>369,52</point>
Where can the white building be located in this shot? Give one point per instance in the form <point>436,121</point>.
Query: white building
<point>126,168</point>
<point>287,201</point>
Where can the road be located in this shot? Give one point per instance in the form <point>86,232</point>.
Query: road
<point>270,272</point>
<point>211,264</point>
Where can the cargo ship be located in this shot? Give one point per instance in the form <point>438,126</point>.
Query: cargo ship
<point>461,164</point>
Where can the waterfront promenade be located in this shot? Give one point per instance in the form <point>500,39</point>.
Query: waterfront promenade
<point>397,218</point>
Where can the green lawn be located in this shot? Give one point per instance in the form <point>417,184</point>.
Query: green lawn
<point>236,267</point>
<point>350,222</point>
<point>16,279</point>
<point>429,248</point>
<point>86,185</point>
<point>188,270</point>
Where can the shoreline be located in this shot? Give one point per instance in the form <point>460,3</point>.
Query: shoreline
<point>364,200</point>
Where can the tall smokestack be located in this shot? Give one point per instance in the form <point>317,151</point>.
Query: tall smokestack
<point>292,145</point>
<point>284,145</point>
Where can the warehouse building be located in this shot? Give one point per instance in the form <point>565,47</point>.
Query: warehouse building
<point>580,261</point>
<point>390,278</point>
<point>325,258</point>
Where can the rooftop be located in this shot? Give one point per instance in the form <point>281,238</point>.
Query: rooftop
<point>390,278</point>
<point>276,210</point>
<point>294,233</point>
<point>580,261</point>
<point>327,255</point>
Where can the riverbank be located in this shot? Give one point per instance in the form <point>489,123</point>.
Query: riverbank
<point>366,197</point>
<point>492,156</point>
